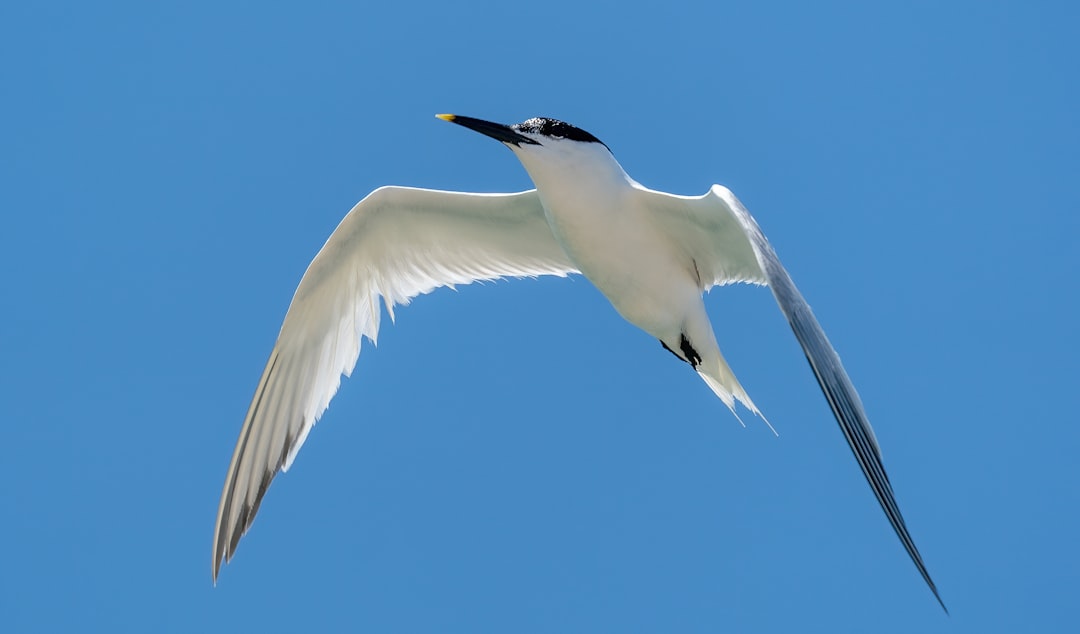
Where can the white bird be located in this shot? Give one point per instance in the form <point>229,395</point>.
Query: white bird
<point>652,254</point>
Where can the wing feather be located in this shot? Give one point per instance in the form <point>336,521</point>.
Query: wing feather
<point>395,244</point>
<point>721,220</point>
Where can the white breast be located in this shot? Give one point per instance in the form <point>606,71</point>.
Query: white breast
<point>599,215</point>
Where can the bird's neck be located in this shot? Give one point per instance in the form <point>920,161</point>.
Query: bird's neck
<point>582,176</point>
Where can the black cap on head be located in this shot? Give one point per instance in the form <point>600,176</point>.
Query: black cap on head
<point>555,129</point>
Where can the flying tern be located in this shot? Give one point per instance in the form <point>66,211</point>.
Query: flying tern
<point>650,253</point>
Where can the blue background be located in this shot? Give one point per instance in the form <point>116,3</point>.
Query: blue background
<point>514,457</point>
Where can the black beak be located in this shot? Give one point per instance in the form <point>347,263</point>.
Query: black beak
<point>497,131</point>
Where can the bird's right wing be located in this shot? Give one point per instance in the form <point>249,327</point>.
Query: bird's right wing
<point>727,245</point>
<point>395,244</point>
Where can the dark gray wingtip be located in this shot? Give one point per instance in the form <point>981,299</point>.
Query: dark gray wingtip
<point>845,404</point>
<point>838,389</point>
<point>228,531</point>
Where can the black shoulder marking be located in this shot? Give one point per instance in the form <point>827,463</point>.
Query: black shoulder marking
<point>556,129</point>
<point>692,355</point>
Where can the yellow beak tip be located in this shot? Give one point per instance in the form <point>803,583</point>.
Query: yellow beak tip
<point>445,117</point>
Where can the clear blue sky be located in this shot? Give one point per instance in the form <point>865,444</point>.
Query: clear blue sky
<point>514,457</point>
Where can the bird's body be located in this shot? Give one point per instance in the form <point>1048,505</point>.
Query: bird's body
<point>613,231</point>
<point>652,254</point>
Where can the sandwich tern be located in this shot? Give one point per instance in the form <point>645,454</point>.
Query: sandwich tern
<point>650,253</point>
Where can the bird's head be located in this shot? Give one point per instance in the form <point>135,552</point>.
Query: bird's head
<point>545,146</point>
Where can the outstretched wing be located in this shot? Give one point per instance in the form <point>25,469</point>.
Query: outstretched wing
<point>395,244</point>
<point>721,235</point>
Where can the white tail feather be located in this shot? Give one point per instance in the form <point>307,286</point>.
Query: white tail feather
<point>723,383</point>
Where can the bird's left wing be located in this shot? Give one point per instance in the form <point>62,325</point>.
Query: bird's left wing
<point>727,245</point>
<point>395,244</point>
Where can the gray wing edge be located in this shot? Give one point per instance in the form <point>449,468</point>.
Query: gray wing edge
<point>834,382</point>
